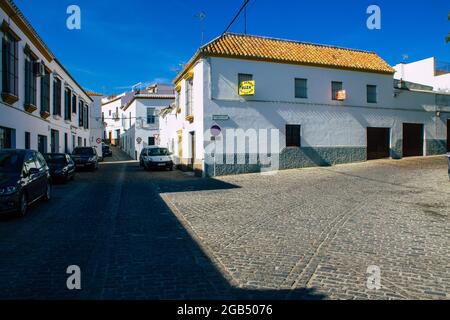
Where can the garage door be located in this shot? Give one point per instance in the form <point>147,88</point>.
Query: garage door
<point>412,140</point>
<point>378,140</point>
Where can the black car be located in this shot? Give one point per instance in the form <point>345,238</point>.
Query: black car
<point>106,150</point>
<point>85,157</point>
<point>62,167</point>
<point>24,179</point>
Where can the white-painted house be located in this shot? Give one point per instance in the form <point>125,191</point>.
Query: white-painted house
<point>42,106</point>
<point>429,72</point>
<point>322,105</point>
<point>132,119</point>
<point>111,107</point>
<point>96,122</point>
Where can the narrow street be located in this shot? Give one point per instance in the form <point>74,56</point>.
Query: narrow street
<point>168,235</point>
<point>114,226</point>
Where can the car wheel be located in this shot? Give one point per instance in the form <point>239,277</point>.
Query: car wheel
<point>48,192</point>
<point>171,168</point>
<point>23,205</point>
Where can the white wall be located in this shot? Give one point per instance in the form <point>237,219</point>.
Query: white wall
<point>111,125</point>
<point>325,123</point>
<point>139,127</point>
<point>442,83</point>
<point>14,116</point>
<point>276,82</point>
<point>423,72</point>
<point>179,122</point>
<point>96,124</point>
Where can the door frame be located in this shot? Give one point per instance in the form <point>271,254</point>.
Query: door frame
<point>388,138</point>
<point>192,150</point>
<point>44,141</point>
<point>422,142</point>
<point>54,141</point>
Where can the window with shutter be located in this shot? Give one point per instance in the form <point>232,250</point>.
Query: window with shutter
<point>30,81</point>
<point>57,97</point>
<point>335,88</point>
<point>67,104</point>
<point>45,93</point>
<point>74,104</point>
<point>10,67</point>
<point>371,94</point>
<point>80,114</point>
<point>301,89</point>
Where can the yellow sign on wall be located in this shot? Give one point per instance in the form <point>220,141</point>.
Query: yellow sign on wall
<point>247,88</point>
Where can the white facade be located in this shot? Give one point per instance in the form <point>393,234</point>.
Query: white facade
<point>111,117</point>
<point>328,127</point>
<point>171,132</point>
<point>55,132</point>
<point>132,118</point>
<point>141,123</point>
<point>427,72</point>
<point>96,123</point>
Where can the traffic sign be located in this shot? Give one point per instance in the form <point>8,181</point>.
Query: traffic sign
<point>216,130</point>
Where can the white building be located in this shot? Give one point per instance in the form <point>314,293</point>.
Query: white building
<point>41,107</point>
<point>96,122</point>
<point>325,105</point>
<point>429,72</point>
<point>111,118</point>
<point>132,120</point>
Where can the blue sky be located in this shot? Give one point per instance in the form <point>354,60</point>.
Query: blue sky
<point>125,42</point>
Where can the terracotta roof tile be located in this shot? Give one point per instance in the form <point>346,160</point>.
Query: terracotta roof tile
<point>94,94</point>
<point>286,51</point>
<point>259,48</point>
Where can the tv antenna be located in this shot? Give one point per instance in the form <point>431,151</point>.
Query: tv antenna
<point>201,16</point>
<point>137,87</point>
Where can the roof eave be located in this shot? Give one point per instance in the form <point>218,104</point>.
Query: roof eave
<point>201,53</point>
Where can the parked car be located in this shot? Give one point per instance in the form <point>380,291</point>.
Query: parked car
<point>448,156</point>
<point>62,167</point>
<point>156,157</point>
<point>24,179</point>
<point>85,157</point>
<point>106,150</point>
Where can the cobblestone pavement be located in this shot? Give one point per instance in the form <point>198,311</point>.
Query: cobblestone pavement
<point>128,244</point>
<point>320,229</point>
<point>115,227</point>
<point>301,234</point>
